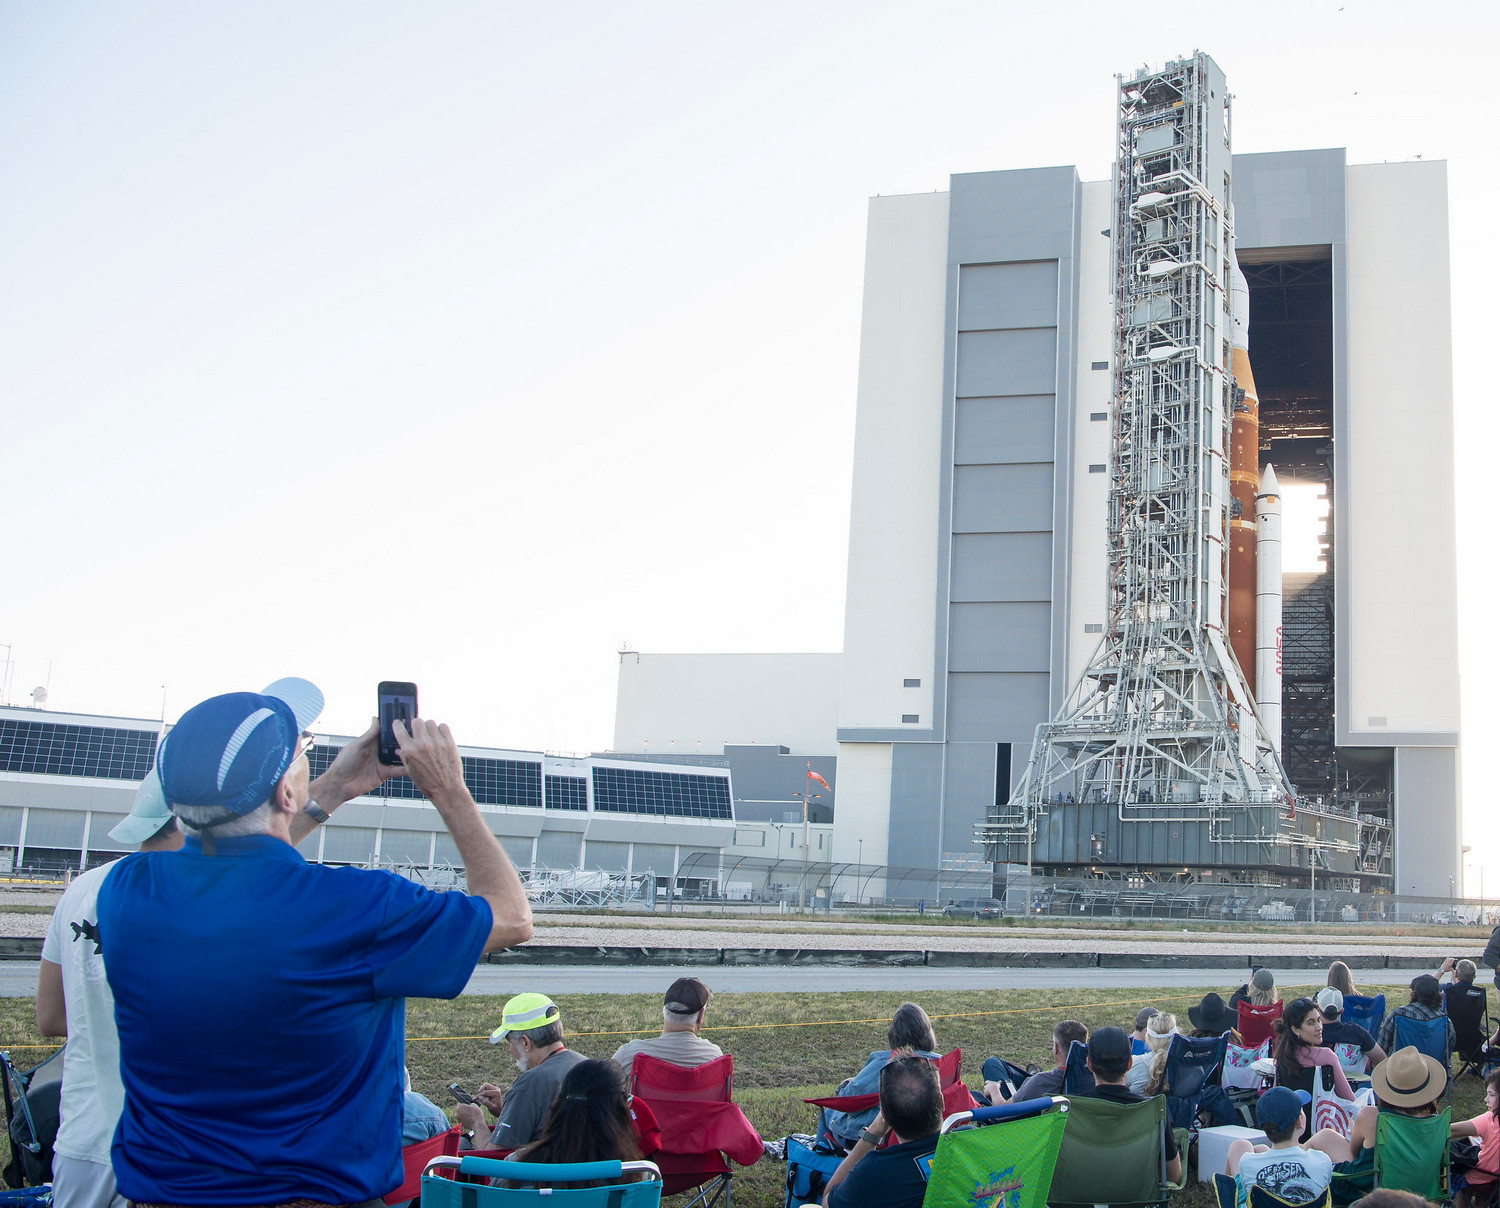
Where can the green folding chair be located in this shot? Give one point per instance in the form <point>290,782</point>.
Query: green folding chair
<point>1411,1153</point>
<point>1227,1195</point>
<point>444,1192</point>
<point>998,1155</point>
<point>1112,1153</point>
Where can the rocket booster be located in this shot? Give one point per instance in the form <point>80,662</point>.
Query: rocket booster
<point>1244,476</point>
<point>1268,605</point>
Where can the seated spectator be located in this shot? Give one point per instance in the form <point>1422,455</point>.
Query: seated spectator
<point>1340,979</point>
<point>682,1011</point>
<point>1259,991</point>
<point>1283,1167</point>
<point>1045,1082</point>
<point>1479,1182</point>
<point>421,1118</point>
<point>532,1028</point>
<point>1336,1031</point>
<point>911,1109</point>
<point>1138,1043</point>
<point>1408,1083</point>
<point>910,1035</point>
<point>589,1121</point>
<point>1108,1061</point>
<point>1426,1003</point>
<point>1299,1052</point>
<point>1152,1064</point>
<point>1212,1018</point>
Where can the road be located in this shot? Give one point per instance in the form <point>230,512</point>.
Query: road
<point>18,978</point>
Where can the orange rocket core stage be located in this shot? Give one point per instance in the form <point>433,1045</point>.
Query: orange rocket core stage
<point>1244,482</point>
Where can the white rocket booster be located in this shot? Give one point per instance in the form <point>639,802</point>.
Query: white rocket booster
<point>1268,604</point>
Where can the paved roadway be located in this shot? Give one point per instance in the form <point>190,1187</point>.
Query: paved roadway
<point>18,978</point>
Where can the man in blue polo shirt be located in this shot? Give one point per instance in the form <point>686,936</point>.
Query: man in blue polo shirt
<point>258,997</point>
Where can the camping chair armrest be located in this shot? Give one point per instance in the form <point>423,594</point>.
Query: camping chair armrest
<point>543,1172</point>
<point>1023,1110</point>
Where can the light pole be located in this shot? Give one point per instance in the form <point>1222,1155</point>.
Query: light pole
<point>859,875</point>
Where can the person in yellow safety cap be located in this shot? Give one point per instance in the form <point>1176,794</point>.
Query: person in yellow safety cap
<point>532,1026</point>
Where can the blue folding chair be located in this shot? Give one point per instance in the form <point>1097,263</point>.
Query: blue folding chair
<point>1430,1036</point>
<point>1368,1013</point>
<point>1077,1080</point>
<point>1190,1064</point>
<point>440,1192</point>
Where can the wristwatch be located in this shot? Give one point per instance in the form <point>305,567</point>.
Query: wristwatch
<point>870,1138</point>
<point>316,812</point>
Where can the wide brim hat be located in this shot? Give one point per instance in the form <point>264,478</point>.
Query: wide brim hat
<point>1211,1015</point>
<point>1408,1078</point>
<point>147,816</point>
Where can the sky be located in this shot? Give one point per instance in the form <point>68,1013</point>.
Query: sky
<point>470,343</point>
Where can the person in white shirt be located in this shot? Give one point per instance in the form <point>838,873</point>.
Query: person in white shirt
<point>682,1019</point>
<point>1283,1167</point>
<point>74,1000</point>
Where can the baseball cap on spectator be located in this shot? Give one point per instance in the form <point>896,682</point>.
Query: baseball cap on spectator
<point>1109,1045</point>
<point>147,816</point>
<point>1264,979</point>
<point>686,996</point>
<point>1330,999</point>
<point>231,751</point>
<point>1144,1016</point>
<point>1426,983</point>
<point>523,1013</point>
<point>1277,1110</point>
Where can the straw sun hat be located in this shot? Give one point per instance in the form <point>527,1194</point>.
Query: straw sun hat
<point>1407,1078</point>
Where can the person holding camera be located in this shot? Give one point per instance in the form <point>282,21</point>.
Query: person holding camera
<point>259,998</point>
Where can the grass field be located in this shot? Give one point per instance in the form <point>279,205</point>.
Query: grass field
<point>786,1047</point>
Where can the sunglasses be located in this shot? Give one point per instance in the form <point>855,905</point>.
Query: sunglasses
<point>305,742</point>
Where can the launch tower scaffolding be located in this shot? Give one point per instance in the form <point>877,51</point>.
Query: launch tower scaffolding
<point>1161,726</point>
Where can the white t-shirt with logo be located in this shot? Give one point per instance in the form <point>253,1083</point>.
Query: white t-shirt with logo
<point>92,1095</point>
<point>1296,1175</point>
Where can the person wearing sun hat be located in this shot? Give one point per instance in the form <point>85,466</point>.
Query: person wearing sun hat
<point>531,1025</point>
<point>1407,1082</point>
<point>73,1000</point>
<point>255,992</point>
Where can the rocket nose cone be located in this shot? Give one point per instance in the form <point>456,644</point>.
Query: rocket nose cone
<point>1268,483</point>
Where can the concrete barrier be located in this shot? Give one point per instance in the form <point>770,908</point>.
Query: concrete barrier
<point>848,957</point>
<point>20,948</point>
<point>1012,960</point>
<point>1170,960</point>
<point>558,954</point>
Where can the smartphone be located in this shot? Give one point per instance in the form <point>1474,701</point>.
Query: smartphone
<point>398,702</point>
<point>460,1094</point>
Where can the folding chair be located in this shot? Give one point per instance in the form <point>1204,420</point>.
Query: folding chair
<point>1112,1153</point>
<point>702,1130</point>
<point>998,1155</point>
<point>1469,1012</point>
<point>1430,1036</point>
<point>1257,1023</point>
<point>440,1192</point>
<point>414,1159</point>
<point>1353,1062</point>
<point>33,1106</point>
<point>956,1096</point>
<point>1411,1153</point>
<point>1226,1190</point>
<point>1190,1063</point>
<point>1369,1013</point>
<point>1259,1197</point>
<point>1077,1079</point>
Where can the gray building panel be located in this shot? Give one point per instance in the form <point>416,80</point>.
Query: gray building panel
<point>768,783</point>
<point>1285,199</point>
<point>1000,637</point>
<point>1003,499</point>
<point>996,708</point>
<point>992,296</point>
<point>1008,429</point>
<point>1018,361</point>
<point>1427,822</point>
<point>968,792</point>
<point>1025,214</point>
<point>916,796</point>
<point>1002,566</point>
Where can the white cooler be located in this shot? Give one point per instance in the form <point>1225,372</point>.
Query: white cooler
<point>1214,1143</point>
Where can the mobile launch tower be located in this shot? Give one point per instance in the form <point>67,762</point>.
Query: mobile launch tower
<point>1162,726</point>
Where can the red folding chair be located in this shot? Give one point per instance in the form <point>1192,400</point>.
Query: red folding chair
<point>956,1096</point>
<point>703,1130</point>
<point>1256,1024</point>
<point>414,1159</point>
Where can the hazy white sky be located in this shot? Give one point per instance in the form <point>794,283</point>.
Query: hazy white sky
<point>464,342</point>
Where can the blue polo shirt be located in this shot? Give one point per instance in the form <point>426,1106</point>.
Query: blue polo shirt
<point>259,1004</point>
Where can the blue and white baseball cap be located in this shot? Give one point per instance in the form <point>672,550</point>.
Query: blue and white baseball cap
<point>147,816</point>
<point>231,751</point>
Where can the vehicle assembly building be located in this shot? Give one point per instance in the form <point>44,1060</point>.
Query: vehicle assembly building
<point>1079,405</point>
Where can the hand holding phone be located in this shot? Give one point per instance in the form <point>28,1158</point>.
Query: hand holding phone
<point>398,702</point>
<point>459,1093</point>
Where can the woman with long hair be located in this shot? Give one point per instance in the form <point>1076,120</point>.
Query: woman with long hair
<point>1340,978</point>
<point>1147,1071</point>
<point>589,1121</point>
<point>1298,1049</point>
<point>909,1035</point>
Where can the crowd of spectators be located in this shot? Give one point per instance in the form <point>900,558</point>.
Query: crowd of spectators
<point>286,1008</point>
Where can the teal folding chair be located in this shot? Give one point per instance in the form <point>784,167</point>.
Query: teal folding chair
<point>1112,1153</point>
<point>998,1155</point>
<point>444,1192</point>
